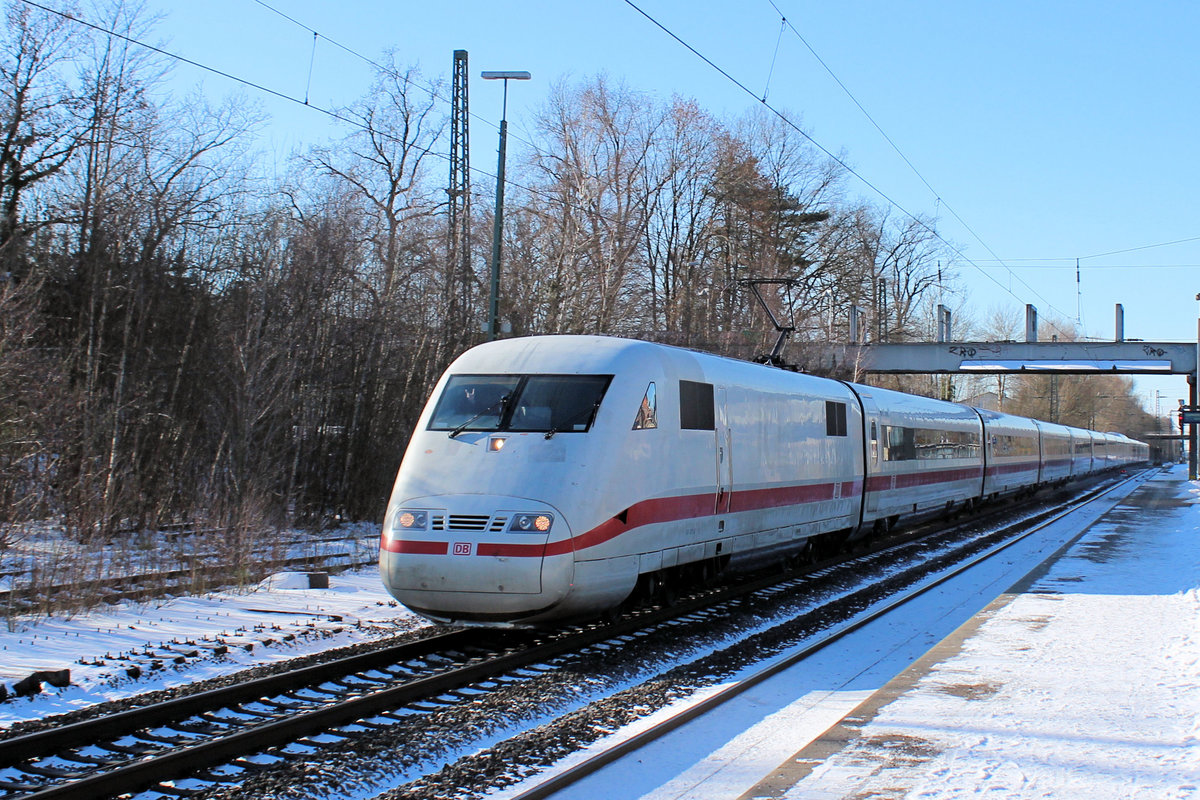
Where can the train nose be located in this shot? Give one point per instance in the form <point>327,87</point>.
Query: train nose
<point>468,557</point>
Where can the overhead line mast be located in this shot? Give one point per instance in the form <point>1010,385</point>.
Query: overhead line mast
<point>458,260</point>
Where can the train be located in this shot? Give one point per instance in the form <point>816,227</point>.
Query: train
<point>556,477</point>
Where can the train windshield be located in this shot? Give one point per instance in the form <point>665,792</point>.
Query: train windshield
<point>544,403</point>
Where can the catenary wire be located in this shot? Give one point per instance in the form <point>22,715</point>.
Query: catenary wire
<point>288,98</point>
<point>384,69</point>
<point>1039,264</point>
<point>840,162</point>
<point>335,115</point>
<point>937,195</point>
<point>354,123</point>
<point>1115,253</point>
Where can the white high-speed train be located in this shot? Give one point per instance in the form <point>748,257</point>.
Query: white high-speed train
<point>551,477</point>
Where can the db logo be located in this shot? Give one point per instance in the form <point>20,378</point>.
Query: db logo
<point>462,548</point>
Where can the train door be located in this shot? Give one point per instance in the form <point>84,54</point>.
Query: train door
<point>1043,455</point>
<point>724,443</point>
<point>874,432</point>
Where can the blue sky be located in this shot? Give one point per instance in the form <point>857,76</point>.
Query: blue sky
<point>1055,131</point>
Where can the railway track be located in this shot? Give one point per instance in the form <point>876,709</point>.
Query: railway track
<point>141,747</point>
<point>146,585</point>
<point>236,733</point>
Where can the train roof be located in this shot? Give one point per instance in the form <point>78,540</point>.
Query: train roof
<point>582,353</point>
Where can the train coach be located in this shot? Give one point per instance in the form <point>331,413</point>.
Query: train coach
<point>554,477</point>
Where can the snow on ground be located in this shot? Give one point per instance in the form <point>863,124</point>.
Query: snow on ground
<point>41,554</point>
<point>278,619</point>
<point>1086,685</point>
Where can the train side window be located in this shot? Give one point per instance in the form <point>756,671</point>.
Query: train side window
<point>901,444</point>
<point>935,443</point>
<point>1005,445</point>
<point>647,415</point>
<point>696,410</point>
<point>835,418</point>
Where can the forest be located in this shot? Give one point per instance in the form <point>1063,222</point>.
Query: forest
<point>190,334</point>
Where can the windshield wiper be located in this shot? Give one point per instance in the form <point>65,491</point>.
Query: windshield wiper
<point>584,414</point>
<point>499,403</point>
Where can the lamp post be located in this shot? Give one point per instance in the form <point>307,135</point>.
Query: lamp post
<point>498,222</point>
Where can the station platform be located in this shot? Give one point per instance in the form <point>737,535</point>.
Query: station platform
<point>1080,681</point>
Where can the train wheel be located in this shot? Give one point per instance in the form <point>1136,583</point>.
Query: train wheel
<point>649,586</point>
<point>659,588</point>
<point>668,595</point>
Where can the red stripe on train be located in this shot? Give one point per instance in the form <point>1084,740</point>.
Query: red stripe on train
<point>416,547</point>
<point>907,480</point>
<point>696,506</point>
<point>650,512</point>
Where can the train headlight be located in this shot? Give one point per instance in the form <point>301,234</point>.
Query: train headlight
<point>531,523</point>
<point>412,520</point>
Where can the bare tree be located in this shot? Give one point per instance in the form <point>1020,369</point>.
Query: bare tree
<point>30,411</point>
<point>592,200</point>
<point>38,125</point>
<point>383,164</point>
<point>680,233</point>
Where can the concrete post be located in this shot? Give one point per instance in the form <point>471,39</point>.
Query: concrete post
<point>1192,381</point>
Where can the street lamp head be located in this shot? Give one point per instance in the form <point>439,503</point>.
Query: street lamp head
<point>505,75</point>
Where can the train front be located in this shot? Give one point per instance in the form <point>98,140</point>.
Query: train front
<point>477,529</point>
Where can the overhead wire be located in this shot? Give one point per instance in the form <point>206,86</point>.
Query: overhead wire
<point>839,161</point>
<point>1116,253</point>
<point>430,88</point>
<point>332,114</point>
<point>1143,247</point>
<point>774,58</point>
<point>891,142</point>
<point>1040,264</point>
<point>183,59</point>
